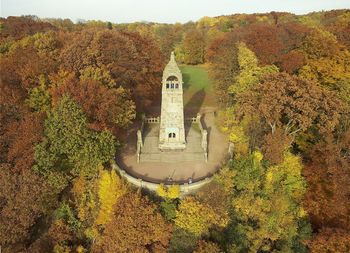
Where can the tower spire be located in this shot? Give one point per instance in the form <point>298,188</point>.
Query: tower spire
<point>172,56</point>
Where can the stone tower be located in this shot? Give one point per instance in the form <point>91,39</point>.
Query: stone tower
<point>172,127</point>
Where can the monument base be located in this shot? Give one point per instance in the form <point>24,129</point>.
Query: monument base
<point>172,146</point>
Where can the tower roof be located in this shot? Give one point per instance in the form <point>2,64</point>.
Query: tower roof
<point>171,68</point>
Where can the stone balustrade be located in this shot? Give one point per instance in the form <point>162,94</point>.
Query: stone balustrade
<point>185,188</point>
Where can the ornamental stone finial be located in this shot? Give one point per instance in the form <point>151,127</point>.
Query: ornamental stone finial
<point>172,56</point>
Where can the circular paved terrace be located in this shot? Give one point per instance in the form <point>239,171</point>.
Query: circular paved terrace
<point>179,171</point>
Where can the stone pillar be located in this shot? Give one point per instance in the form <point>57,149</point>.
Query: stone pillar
<point>139,138</point>
<point>205,144</point>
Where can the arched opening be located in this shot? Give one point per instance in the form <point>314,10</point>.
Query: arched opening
<point>172,82</point>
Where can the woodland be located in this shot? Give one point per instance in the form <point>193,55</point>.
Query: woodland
<point>69,91</point>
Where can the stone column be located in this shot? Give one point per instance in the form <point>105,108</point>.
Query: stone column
<point>139,138</point>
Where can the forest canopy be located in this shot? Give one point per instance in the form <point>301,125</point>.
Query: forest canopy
<point>69,93</point>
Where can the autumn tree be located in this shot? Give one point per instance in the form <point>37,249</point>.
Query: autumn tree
<point>263,39</point>
<point>274,145</point>
<point>105,108</point>
<point>111,188</point>
<point>249,72</point>
<point>328,177</point>
<point>134,63</point>
<point>136,226</point>
<point>24,135</point>
<point>207,247</point>
<point>197,217</point>
<point>330,240</point>
<point>222,55</point>
<point>327,61</point>
<point>193,47</point>
<point>295,104</point>
<point>24,198</point>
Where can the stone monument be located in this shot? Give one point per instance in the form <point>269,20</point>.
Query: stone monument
<point>172,127</point>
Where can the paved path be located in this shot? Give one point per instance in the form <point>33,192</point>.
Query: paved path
<point>179,171</point>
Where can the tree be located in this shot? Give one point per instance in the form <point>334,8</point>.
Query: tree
<point>295,104</point>
<point>24,198</point>
<point>136,226</point>
<point>328,177</point>
<point>249,72</point>
<point>196,217</point>
<point>222,55</point>
<point>111,188</point>
<point>207,247</point>
<point>24,136</point>
<point>171,192</point>
<point>193,46</point>
<point>109,25</point>
<point>98,74</point>
<point>267,215</point>
<point>39,97</point>
<point>275,145</point>
<point>134,62</point>
<point>105,108</point>
<point>263,39</point>
<point>182,241</point>
<point>327,62</point>
<point>330,240</point>
<point>69,148</point>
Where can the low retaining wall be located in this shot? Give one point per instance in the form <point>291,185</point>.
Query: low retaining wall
<point>185,188</point>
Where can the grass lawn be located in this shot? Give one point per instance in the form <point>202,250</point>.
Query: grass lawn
<point>198,88</point>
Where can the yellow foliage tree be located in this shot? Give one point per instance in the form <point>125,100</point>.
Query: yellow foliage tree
<point>111,188</point>
<point>196,217</point>
<point>171,192</point>
<point>249,71</point>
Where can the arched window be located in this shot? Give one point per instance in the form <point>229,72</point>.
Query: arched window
<point>167,86</point>
<point>172,85</point>
<point>169,135</point>
<point>174,135</point>
<point>176,85</point>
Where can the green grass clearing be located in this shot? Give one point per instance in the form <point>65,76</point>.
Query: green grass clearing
<point>198,88</point>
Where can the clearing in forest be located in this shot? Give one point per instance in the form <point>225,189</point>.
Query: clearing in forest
<point>198,88</point>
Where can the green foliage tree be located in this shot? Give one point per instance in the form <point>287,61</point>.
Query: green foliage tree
<point>182,241</point>
<point>168,209</point>
<point>267,215</point>
<point>69,148</point>
<point>39,97</point>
